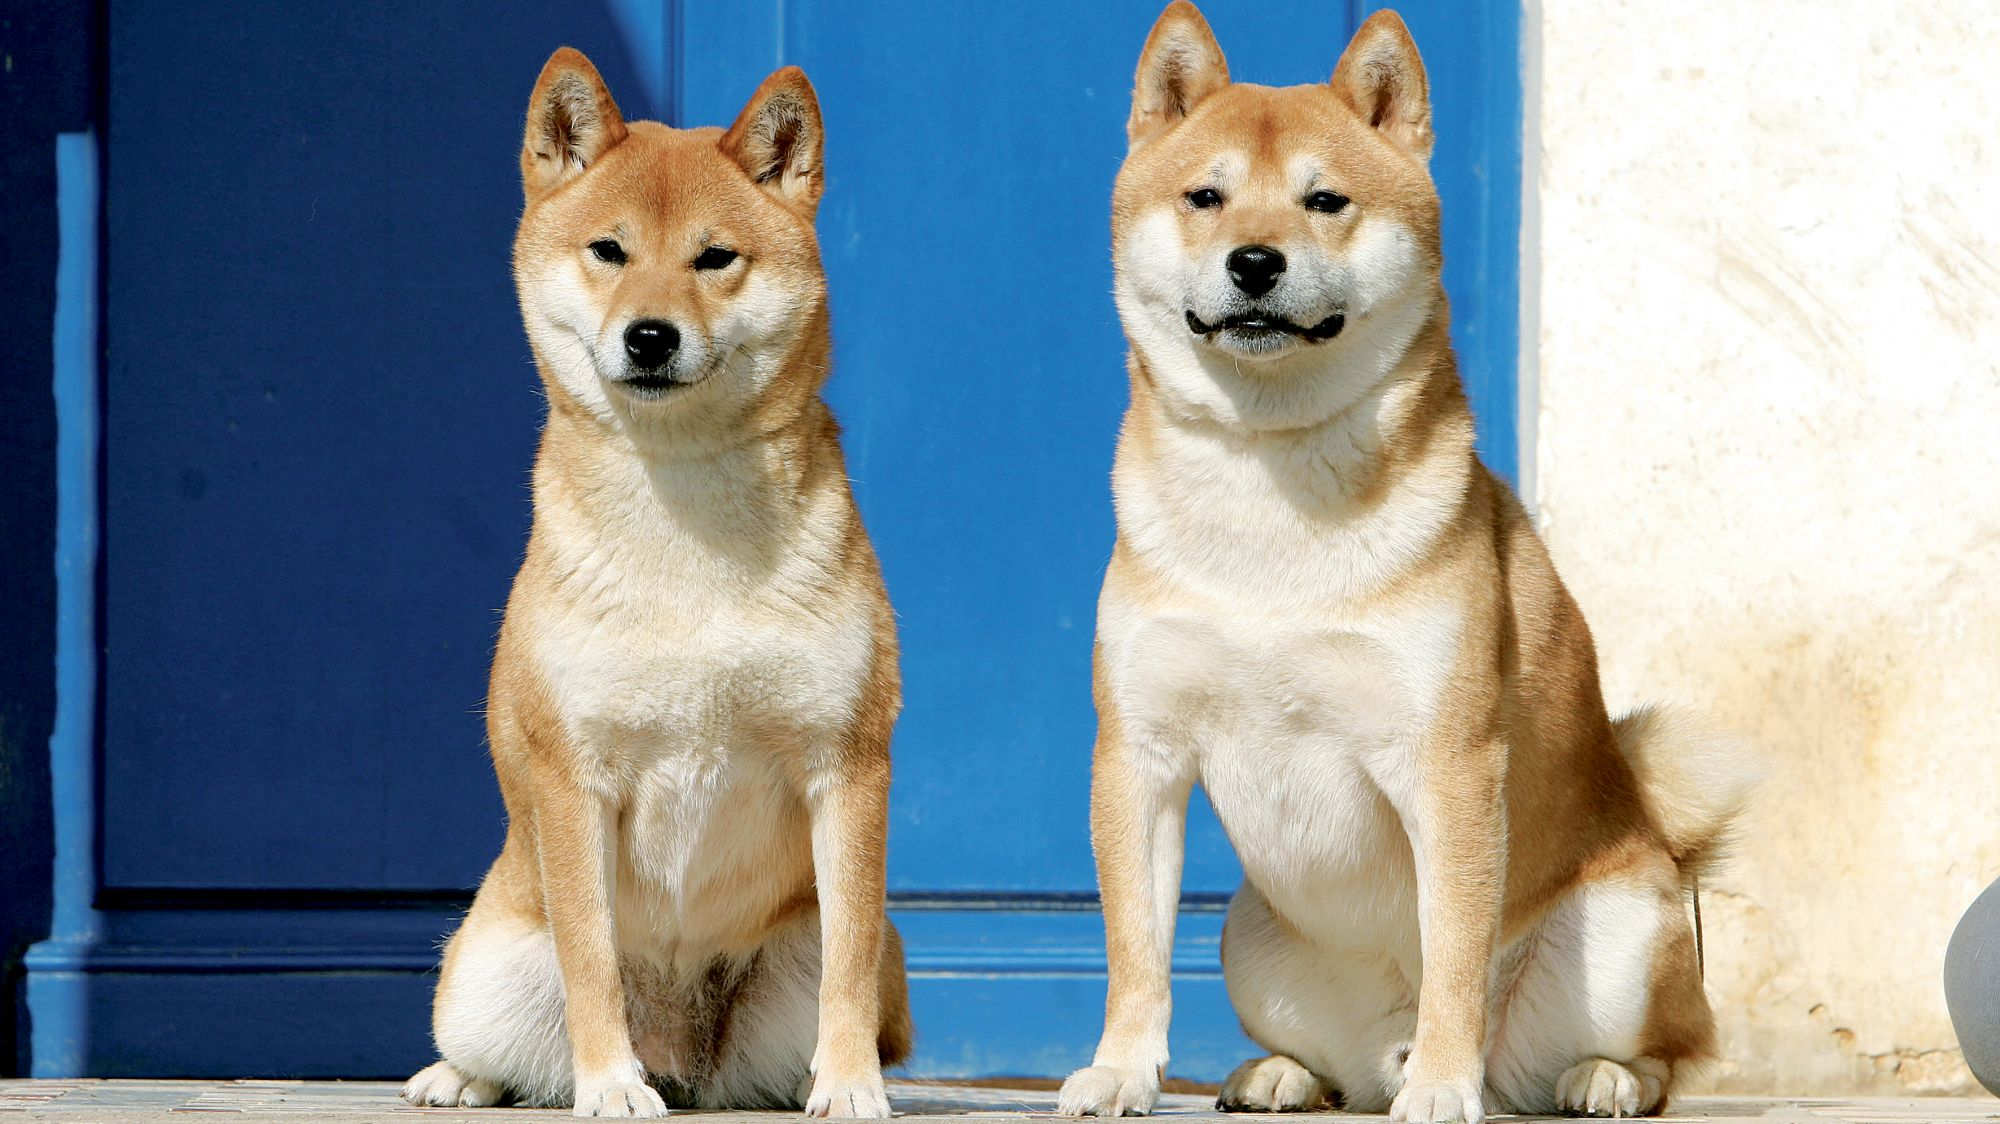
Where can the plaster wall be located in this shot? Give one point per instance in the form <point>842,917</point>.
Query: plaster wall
<point>1766,453</point>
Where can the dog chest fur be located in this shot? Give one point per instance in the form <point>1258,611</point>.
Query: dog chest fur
<point>692,688</point>
<point>1302,730</point>
<point>641,685</point>
<point>1298,698</point>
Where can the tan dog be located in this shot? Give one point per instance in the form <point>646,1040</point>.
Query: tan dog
<point>1465,886</point>
<point>692,696</point>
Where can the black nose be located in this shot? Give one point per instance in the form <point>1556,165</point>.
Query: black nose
<point>1255,268</point>
<point>651,343</point>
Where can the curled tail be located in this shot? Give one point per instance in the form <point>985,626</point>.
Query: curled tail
<point>1694,779</point>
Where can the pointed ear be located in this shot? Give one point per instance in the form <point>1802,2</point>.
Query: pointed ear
<point>1180,66</point>
<point>572,121</point>
<point>1382,78</point>
<point>779,142</point>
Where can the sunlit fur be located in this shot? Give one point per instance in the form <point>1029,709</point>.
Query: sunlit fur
<point>1465,887</point>
<point>696,677</point>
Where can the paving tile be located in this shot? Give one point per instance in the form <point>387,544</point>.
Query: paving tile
<point>353,1102</point>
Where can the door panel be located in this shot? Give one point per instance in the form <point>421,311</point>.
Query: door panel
<point>320,415</point>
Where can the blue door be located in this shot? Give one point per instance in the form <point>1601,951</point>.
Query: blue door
<point>318,410</point>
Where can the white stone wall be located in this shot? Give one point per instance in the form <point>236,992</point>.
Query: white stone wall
<point>1764,356</point>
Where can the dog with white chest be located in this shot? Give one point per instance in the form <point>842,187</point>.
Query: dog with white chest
<point>1465,883</point>
<point>696,677</point>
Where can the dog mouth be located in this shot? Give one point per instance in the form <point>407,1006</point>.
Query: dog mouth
<point>649,384</point>
<point>676,379</point>
<point>1266,325</point>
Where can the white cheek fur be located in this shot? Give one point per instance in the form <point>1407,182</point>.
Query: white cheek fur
<point>564,319</point>
<point>759,315</point>
<point>1379,282</point>
<point>1382,264</point>
<point>741,354</point>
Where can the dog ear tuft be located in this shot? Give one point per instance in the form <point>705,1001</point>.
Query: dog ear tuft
<point>1181,65</point>
<point>572,122</point>
<point>779,141</point>
<point>1382,78</point>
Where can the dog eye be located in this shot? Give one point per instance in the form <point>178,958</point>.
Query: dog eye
<point>1201,199</point>
<point>1325,201</point>
<point>605,250</point>
<point>715,257</point>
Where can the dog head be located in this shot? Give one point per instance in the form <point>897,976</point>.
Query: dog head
<point>670,279</point>
<point>1277,249</point>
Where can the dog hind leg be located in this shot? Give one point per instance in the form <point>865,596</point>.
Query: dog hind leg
<point>1342,1019</point>
<point>766,1037</point>
<point>1599,1007</point>
<point>1275,1083</point>
<point>498,1020</point>
<point>441,1085</point>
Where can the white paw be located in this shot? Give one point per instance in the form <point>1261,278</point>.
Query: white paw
<point>1104,1090</point>
<point>1601,1087</point>
<point>441,1085</point>
<point>1273,1084</point>
<point>1426,1101</point>
<point>618,1099</point>
<point>849,1098</point>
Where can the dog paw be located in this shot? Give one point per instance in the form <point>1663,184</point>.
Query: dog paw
<point>1104,1090</point>
<point>853,1098</point>
<point>1602,1087</point>
<point>1273,1084</point>
<point>618,1100</point>
<point>1427,1101</point>
<point>441,1085</point>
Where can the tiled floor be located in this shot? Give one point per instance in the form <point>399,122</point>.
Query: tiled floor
<point>347,1102</point>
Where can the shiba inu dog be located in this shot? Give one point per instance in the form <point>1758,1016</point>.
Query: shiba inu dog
<point>1465,885</point>
<point>697,673</point>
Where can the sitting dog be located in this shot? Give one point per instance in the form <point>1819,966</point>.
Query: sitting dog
<point>1465,886</point>
<point>696,677</point>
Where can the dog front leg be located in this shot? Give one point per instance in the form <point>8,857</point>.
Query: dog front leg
<point>576,842</point>
<point>1138,821</point>
<point>1458,836</point>
<point>850,825</point>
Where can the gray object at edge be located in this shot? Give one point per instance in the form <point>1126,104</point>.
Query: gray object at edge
<point>1972,986</point>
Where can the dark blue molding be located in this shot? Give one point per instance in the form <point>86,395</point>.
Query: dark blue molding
<point>343,989</point>
<point>375,1025</point>
<point>950,934</point>
<point>58,994</point>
